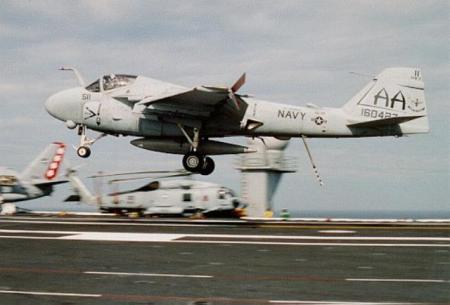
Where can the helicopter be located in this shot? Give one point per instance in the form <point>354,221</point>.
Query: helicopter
<point>159,197</point>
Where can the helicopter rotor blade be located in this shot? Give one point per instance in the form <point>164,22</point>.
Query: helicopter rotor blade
<point>148,177</point>
<point>139,173</point>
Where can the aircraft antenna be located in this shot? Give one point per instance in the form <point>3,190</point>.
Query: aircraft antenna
<point>77,74</point>
<point>316,172</point>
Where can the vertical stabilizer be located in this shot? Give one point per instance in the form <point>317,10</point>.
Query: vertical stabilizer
<point>395,97</point>
<point>46,167</point>
<point>80,188</point>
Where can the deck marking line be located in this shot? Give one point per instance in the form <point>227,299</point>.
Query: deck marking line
<point>149,274</point>
<point>340,303</point>
<point>306,244</point>
<point>85,238</point>
<point>110,236</point>
<point>62,294</point>
<point>232,236</point>
<point>397,280</point>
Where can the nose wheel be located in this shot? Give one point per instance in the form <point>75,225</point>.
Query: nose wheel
<point>83,151</point>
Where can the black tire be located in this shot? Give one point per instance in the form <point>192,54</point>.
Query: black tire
<point>208,166</point>
<point>83,151</point>
<point>193,162</point>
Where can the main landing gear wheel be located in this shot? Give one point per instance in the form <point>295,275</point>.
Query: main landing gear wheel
<point>193,162</point>
<point>208,166</point>
<point>83,151</point>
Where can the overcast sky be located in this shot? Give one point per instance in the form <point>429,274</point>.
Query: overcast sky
<point>294,52</point>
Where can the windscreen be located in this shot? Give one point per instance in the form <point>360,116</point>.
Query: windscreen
<point>113,81</point>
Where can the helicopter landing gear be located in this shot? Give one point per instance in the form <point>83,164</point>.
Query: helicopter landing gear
<point>84,150</point>
<point>194,161</point>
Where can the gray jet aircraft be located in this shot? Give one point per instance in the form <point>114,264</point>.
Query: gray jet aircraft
<point>160,197</point>
<point>37,180</point>
<point>174,119</point>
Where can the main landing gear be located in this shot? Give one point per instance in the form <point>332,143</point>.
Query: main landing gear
<point>84,150</point>
<point>194,161</point>
<point>197,163</point>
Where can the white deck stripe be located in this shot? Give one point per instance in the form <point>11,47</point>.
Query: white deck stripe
<point>62,294</point>
<point>149,274</point>
<point>234,236</point>
<point>176,238</point>
<point>398,280</point>
<point>110,236</point>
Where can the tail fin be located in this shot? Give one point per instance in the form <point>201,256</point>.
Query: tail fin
<point>45,168</point>
<point>80,188</point>
<point>394,98</point>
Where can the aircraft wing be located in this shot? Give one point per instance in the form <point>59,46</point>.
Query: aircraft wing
<point>199,102</point>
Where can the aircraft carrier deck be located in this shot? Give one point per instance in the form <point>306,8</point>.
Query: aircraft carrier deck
<point>103,260</point>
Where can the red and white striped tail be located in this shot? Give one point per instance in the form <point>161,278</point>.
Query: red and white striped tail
<point>55,163</point>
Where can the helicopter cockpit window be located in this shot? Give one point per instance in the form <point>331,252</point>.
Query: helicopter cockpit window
<point>94,87</point>
<point>152,186</point>
<point>221,194</point>
<point>113,81</point>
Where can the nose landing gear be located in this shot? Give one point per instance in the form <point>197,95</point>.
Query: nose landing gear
<point>84,149</point>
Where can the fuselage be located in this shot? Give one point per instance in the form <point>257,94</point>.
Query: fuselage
<point>104,112</point>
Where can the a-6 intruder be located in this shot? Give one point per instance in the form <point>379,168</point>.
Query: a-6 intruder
<point>174,119</point>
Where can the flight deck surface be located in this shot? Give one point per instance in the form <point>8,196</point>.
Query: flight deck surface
<point>98,260</point>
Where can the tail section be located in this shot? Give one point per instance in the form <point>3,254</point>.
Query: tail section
<point>395,98</point>
<point>46,167</point>
<point>80,188</point>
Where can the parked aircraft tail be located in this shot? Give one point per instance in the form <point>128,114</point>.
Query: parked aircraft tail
<point>46,167</point>
<point>82,192</point>
<point>395,98</point>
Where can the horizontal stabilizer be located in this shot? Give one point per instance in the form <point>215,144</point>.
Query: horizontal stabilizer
<point>42,183</point>
<point>385,122</point>
<point>73,198</point>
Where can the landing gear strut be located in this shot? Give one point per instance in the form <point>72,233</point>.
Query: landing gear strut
<point>194,161</point>
<point>84,150</point>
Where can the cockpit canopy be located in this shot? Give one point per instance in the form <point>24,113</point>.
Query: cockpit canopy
<point>112,81</point>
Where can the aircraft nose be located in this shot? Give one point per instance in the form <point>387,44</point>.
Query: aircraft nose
<point>64,105</point>
<point>53,105</point>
